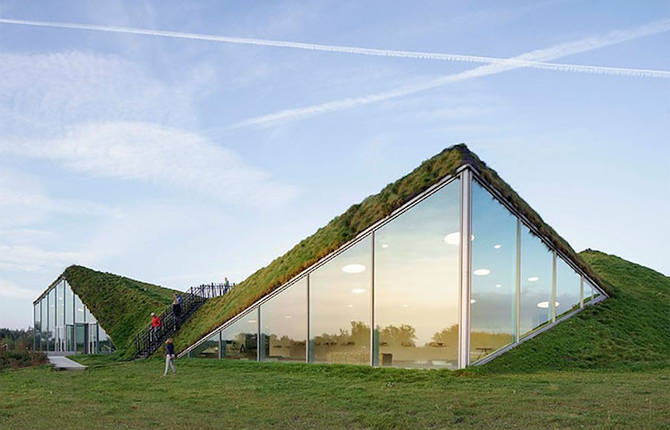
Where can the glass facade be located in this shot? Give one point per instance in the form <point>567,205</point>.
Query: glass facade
<point>399,294</point>
<point>536,283</point>
<point>416,272</point>
<point>493,283</point>
<point>64,324</point>
<point>340,303</point>
<point>284,325</point>
<point>567,287</point>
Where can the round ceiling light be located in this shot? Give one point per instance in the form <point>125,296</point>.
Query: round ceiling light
<point>358,290</point>
<point>482,272</point>
<point>533,279</point>
<point>353,268</point>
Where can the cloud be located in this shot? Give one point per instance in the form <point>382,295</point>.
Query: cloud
<point>12,291</point>
<point>550,53</point>
<point>33,259</point>
<point>651,28</point>
<point>158,155</point>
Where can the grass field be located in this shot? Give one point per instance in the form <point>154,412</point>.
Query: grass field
<point>211,394</point>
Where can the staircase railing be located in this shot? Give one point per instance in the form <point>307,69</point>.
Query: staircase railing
<point>151,338</point>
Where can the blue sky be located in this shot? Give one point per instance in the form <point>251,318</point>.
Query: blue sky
<point>178,161</point>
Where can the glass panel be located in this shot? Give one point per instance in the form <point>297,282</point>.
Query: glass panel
<point>284,324</point>
<point>104,342</point>
<point>340,307</point>
<point>207,349</point>
<point>37,316</point>
<point>80,338</point>
<point>69,337</point>
<point>536,281</point>
<point>493,294</point>
<point>594,290</point>
<point>92,338</point>
<point>45,323</point>
<point>588,291</point>
<point>241,337</point>
<point>567,287</point>
<point>90,318</point>
<point>78,310</point>
<point>68,304</point>
<point>416,284</point>
<point>60,316</point>
<point>52,320</point>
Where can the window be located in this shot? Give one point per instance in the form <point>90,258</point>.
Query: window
<point>68,304</point>
<point>417,282</point>
<point>340,309</point>
<point>284,324</point>
<point>208,348</point>
<point>493,285</point>
<point>52,320</point>
<point>37,324</point>
<point>588,291</point>
<point>239,340</point>
<point>567,287</point>
<point>536,282</point>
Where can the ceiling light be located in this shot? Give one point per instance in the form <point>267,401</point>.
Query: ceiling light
<point>497,246</point>
<point>288,316</point>
<point>533,279</point>
<point>405,306</point>
<point>353,268</point>
<point>455,238</point>
<point>350,306</point>
<point>482,272</point>
<point>358,290</point>
<point>251,321</point>
<point>545,305</point>
<point>473,301</point>
<point>498,285</point>
<point>385,245</point>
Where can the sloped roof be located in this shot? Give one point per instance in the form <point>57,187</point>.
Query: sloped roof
<point>120,305</point>
<point>347,226</point>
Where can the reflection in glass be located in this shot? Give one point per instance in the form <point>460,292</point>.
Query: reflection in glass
<point>45,322</point>
<point>340,307</point>
<point>104,342</point>
<point>284,324</point>
<point>588,291</point>
<point>37,317</point>
<point>567,287</point>
<point>239,340</point>
<point>60,316</point>
<point>68,304</point>
<point>493,285</point>
<point>536,282</point>
<point>92,338</point>
<point>208,348</point>
<point>78,310</point>
<point>52,320</point>
<point>416,284</point>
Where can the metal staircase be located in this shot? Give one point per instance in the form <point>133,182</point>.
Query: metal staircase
<point>150,339</point>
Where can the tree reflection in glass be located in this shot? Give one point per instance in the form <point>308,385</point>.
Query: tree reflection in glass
<point>416,284</point>
<point>284,324</point>
<point>341,306</point>
<point>493,290</point>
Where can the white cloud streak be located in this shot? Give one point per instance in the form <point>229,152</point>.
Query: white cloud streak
<point>158,155</point>
<point>10,290</point>
<point>651,28</point>
<point>553,52</point>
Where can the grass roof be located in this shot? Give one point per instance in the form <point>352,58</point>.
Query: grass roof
<point>347,226</point>
<point>120,305</point>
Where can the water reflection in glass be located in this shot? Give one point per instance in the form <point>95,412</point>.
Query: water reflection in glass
<point>493,290</point>
<point>284,324</point>
<point>567,287</point>
<point>341,306</point>
<point>536,282</point>
<point>416,284</point>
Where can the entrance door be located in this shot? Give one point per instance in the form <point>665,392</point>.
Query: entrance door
<point>81,338</point>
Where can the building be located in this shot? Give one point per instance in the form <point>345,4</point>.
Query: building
<point>90,312</point>
<point>445,268</point>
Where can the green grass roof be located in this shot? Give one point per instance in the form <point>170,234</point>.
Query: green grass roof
<point>120,305</point>
<point>629,329</point>
<point>347,226</point>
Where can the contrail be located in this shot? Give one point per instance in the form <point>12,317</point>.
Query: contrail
<point>651,28</point>
<point>551,53</point>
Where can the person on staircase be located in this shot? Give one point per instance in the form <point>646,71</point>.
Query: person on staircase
<point>155,326</point>
<point>176,311</point>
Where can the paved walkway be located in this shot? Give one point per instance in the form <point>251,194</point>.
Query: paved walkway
<point>64,363</point>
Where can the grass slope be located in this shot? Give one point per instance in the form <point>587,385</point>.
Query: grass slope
<point>631,328</point>
<point>213,394</point>
<point>345,227</point>
<point>121,305</point>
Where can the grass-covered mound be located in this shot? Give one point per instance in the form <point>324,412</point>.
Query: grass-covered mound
<point>347,226</point>
<point>630,329</point>
<point>121,305</point>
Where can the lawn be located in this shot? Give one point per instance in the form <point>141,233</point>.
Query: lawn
<point>212,394</point>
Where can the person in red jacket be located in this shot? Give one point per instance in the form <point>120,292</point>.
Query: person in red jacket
<point>155,325</point>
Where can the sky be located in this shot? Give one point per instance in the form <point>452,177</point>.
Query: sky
<point>180,158</point>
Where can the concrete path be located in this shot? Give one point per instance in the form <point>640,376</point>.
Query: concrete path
<point>64,363</point>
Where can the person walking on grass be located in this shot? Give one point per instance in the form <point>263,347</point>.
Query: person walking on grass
<point>169,357</point>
